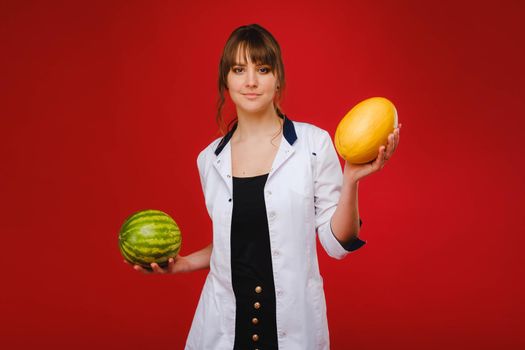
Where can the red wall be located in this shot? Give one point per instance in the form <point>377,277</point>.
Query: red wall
<point>105,106</point>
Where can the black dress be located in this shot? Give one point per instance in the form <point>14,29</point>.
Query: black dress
<point>251,262</point>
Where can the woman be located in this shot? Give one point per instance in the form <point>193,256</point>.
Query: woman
<point>269,184</point>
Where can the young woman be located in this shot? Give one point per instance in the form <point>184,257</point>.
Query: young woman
<point>270,184</point>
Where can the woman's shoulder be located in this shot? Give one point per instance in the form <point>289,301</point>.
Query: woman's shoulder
<point>307,127</point>
<point>310,132</point>
<point>210,148</point>
<point>212,145</point>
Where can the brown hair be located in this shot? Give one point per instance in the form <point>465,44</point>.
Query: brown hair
<point>262,48</point>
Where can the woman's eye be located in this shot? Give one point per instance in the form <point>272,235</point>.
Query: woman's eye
<point>262,70</point>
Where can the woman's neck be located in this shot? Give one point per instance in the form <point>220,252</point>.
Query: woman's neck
<point>257,126</point>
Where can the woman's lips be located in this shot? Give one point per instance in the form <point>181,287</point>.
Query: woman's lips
<point>251,96</point>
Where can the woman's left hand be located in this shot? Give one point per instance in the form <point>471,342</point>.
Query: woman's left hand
<point>357,172</point>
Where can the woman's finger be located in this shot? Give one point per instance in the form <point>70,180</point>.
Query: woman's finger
<point>390,146</point>
<point>380,160</point>
<point>157,268</point>
<point>171,264</point>
<point>140,269</point>
<point>397,134</point>
<point>396,138</point>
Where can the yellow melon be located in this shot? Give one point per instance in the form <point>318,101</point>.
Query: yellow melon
<point>364,129</point>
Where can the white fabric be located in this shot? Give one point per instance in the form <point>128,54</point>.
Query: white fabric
<point>301,195</point>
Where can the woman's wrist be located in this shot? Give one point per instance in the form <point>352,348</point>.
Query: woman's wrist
<point>349,177</point>
<point>187,266</point>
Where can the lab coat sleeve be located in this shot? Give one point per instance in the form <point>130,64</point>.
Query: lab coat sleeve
<point>328,181</point>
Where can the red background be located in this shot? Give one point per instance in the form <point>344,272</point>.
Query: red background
<point>105,106</point>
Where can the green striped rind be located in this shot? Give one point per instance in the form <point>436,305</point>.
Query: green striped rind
<point>148,229</point>
<point>150,218</point>
<point>148,249</point>
<point>146,216</point>
<point>149,236</point>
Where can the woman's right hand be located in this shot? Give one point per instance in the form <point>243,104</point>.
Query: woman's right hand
<point>178,264</point>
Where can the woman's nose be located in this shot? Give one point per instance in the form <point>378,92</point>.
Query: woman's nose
<point>251,78</point>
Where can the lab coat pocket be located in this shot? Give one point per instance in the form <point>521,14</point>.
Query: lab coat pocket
<point>301,202</point>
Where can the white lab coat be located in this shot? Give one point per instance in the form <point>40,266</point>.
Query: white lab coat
<point>301,195</point>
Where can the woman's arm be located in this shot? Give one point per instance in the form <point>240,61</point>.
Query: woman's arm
<point>345,221</point>
<point>200,259</point>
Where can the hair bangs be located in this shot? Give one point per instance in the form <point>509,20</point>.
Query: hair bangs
<point>256,51</point>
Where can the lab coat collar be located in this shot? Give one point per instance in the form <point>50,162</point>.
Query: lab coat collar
<point>222,162</point>
<point>288,133</point>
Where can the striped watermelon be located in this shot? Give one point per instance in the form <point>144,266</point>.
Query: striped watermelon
<point>149,236</point>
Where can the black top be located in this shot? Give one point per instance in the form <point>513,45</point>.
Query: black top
<point>251,262</point>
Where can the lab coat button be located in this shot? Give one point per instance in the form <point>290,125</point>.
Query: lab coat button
<point>229,199</point>
<point>282,334</point>
<point>258,289</point>
<point>275,253</point>
<point>279,292</point>
<point>272,215</point>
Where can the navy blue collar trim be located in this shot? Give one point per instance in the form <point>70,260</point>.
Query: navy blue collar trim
<point>288,132</point>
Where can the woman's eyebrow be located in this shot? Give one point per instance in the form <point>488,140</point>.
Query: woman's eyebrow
<point>244,64</point>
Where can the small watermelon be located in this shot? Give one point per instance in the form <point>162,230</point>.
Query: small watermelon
<point>149,236</point>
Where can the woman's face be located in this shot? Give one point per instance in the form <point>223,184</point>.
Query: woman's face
<point>251,86</point>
